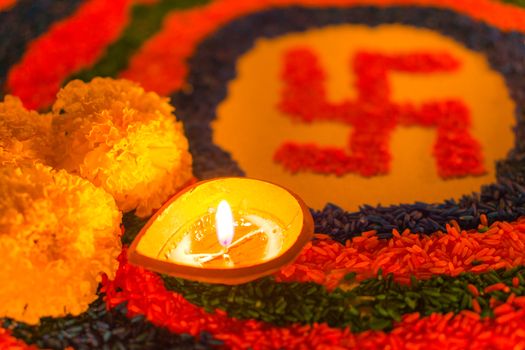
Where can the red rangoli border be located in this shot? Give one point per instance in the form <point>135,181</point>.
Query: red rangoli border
<point>49,60</point>
<point>145,294</point>
<point>6,4</point>
<point>68,46</point>
<point>326,262</point>
<point>169,60</point>
<point>8,342</point>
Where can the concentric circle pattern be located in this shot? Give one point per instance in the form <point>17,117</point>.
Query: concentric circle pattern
<point>400,122</point>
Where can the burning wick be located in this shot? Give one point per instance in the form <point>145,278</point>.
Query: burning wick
<point>225,231</point>
<point>224,224</point>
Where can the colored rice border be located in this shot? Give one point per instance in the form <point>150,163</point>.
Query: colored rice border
<point>441,273</point>
<point>375,303</point>
<point>25,21</point>
<point>171,63</point>
<point>379,302</point>
<point>146,20</point>
<point>145,294</point>
<point>100,328</point>
<point>179,27</point>
<point>6,4</point>
<point>67,47</point>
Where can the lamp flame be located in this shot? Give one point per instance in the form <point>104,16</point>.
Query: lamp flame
<point>224,223</point>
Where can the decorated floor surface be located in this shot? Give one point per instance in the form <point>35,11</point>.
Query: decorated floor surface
<point>401,124</point>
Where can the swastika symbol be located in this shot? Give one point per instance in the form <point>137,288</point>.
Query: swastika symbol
<point>373,116</point>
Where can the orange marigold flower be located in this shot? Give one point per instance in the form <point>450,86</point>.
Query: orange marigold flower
<point>123,139</point>
<point>58,233</point>
<point>24,134</point>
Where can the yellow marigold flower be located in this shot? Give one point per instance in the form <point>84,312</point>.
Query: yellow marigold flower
<point>24,134</point>
<point>123,139</point>
<point>58,232</point>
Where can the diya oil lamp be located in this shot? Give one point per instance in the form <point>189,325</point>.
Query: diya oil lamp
<point>228,230</point>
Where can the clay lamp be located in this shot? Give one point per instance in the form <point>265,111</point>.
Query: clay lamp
<point>227,230</point>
